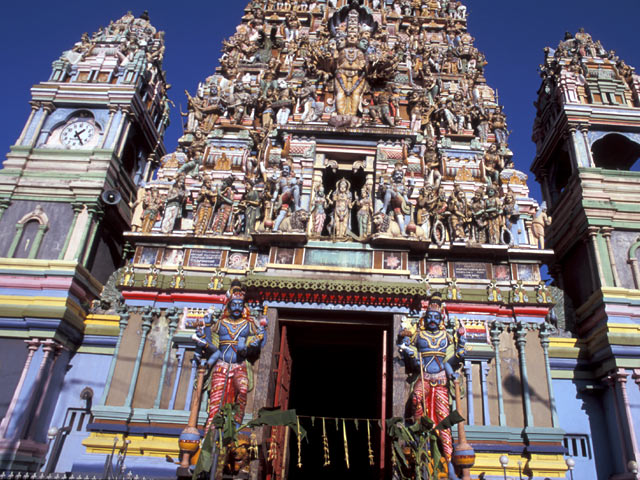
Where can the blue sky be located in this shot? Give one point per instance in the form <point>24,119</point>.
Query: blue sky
<point>512,34</point>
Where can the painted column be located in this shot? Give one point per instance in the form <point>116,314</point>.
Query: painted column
<point>496,330</point>
<point>192,376</point>
<point>173,324</point>
<point>611,382</point>
<point>4,204</point>
<point>112,111</point>
<point>468,373</point>
<point>606,233</point>
<point>521,342</point>
<point>591,263</point>
<point>95,214</point>
<point>77,208</point>
<point>584,130</point>
<point>147,319</point>
<point>57,350</point>
<point>545,333</point>
<point>176,383</point>
<point>16,240</point>
<point>123,139</point>
<point>33,346</point>
<point>35,106</point>
<point>635,271</point>
<point>621,377</point>
<point>593,236</point>
<point>47,108</point>
<point>33,252</point>
<point>48,348</point>
<point>124,321</point>
<point>486,413</point>
<point>570,138</point>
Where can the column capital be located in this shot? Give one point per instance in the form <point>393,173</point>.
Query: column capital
<point>48,107</point>
<point>495,331</point>
<point>593,231</point>
<point>35,105</point>
<point>636,376</point>
<point>606,231</point>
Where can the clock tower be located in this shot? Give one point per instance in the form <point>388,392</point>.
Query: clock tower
<point>67,192</point>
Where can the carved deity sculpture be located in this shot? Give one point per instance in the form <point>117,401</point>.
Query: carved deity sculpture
<point>224,206</point>
<point>287,194</point>
<point>493,165</point>
<point>350,79</point>
<point>152,207</point>
<point>365,211</point>
<point>226,341</point>
<point>204,211</point>
<point>493,209</point>
<point>458,213</point>
<point>430,353</point>
<point>251,202</point>
<point>318,211</point>
<point>342,201</point>
<point>540,222</point>
<point>174,204</point>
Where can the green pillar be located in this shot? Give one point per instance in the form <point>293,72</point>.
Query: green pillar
<point>33,251</point>
<point>521,342</point>
<point>545,333</point>
<point>96,214</point>
<point>77,208</point>
<point>16,240</point>
<point>124,321</point>
<point>147,319</point>
<point>496,329</point>
<point>174,317</point>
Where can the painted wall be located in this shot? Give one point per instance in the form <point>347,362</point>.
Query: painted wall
<point>85,370</point>
<point>60,216</point>
<point>13,354</point>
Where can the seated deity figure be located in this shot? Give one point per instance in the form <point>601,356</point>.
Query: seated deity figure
<point>430,354</point>
<point>227,341</point>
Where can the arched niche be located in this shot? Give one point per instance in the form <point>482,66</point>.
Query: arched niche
<point>30,230</point>
<point>615,151</point>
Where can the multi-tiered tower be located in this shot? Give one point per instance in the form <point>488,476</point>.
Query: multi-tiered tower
<point>67,190</point>
<point>587,133</point>
<point>347,163</point>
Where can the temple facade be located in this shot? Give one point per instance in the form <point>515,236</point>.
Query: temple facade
<point>341,237</point>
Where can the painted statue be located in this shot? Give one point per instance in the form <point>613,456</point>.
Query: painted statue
<point>430,353</point>
<point>342,201</point>
<point>224,207</point>
<point>227,341</point>
<point>174,204</point>
<point>152,207</point>
<point>318,211</point>
<point>540,222</point>
<point>204,211</point>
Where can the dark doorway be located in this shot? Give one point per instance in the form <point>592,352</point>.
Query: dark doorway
<point>337,373</point>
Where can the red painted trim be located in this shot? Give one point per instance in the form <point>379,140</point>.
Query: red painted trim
<point>174,297</point>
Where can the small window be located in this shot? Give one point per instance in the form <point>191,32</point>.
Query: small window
<point>616,152</point>
<point>578,446</point>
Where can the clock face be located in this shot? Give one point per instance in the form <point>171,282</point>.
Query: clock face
<point>77,134</point>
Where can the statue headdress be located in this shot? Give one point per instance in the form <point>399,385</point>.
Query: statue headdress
<point>236,291</point>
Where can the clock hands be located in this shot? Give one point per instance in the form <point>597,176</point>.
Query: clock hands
<point>77,135</point>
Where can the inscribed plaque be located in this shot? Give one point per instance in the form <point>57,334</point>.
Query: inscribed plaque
<point>205,258</point>
<point>470,270</point>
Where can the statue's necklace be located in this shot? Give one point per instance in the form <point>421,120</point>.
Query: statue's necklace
<point>434,340</point>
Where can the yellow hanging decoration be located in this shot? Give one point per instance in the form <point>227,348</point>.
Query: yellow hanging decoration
<point>254,450</point>
<point>299,443</point>
<point>371,459</point>
<point>325,444</point>
<point>346,444</point>
<point>273,446</point>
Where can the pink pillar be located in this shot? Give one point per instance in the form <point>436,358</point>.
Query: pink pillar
<point>57,350</point>
<point>611,381</point>
<point>622,385</point>
<point>33,346</point>
<point>37,390</point>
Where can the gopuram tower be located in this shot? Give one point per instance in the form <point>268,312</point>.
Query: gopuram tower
<point>67,192</point>
<point>341,235</point>
<point>587,133</point>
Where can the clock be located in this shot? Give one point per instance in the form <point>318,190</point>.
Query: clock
<point>77,134</point>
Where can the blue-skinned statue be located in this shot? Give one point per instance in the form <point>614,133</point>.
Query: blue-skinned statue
<point>226,342</point>
<point>430,354</point>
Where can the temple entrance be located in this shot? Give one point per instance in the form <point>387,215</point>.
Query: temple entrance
<point>336,374</point>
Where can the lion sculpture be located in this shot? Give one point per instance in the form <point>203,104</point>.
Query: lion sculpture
<point>383,224</point>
